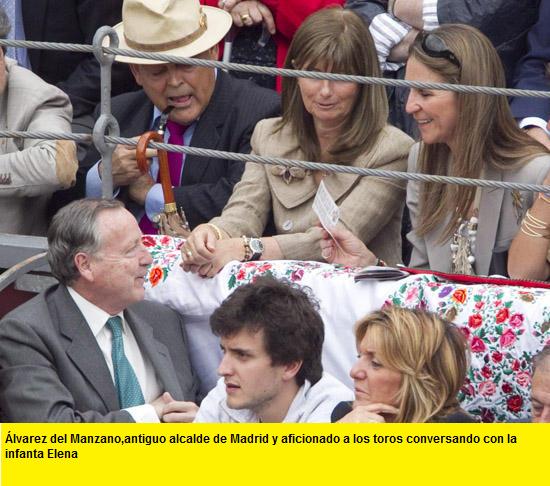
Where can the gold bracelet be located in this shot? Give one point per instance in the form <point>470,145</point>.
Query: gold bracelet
<point>543,196</point>
<point>535,222</point>
<point>528,233</point>
<point>530,226</point>
<point>217,230</point>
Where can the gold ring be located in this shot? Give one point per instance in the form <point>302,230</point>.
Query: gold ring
<point>245,17</point>
<point>189,253</point>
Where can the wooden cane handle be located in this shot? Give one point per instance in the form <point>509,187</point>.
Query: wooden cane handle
<point>141,149</point>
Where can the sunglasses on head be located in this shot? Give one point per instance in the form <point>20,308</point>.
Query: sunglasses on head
<point>434,46</point>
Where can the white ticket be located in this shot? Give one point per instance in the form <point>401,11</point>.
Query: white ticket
<point>325,208</point>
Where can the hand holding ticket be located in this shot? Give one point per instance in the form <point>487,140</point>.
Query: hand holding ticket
<point>326,209</point>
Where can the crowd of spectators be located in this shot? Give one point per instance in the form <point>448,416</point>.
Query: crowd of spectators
<point>90,348</point>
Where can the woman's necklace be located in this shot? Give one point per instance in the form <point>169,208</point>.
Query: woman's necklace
<point>463,245</point>
<point>463,242</point>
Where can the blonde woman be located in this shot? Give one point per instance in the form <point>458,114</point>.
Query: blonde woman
<point>410,367</point>
<point>324,121</point>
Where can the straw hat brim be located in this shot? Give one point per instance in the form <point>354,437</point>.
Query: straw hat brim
<point>218,24</point>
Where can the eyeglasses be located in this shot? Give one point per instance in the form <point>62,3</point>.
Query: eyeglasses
<point>434,46</point>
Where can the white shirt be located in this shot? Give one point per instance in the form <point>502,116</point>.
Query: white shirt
<point>96,318</point>
<point>312,404</point>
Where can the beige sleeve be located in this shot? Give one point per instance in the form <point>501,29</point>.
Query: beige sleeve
<point>249,207</point>
<point>42,166</point>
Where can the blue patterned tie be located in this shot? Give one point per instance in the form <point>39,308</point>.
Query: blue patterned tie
<point>129,391</point>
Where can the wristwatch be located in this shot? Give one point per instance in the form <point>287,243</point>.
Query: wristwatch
<point>253,249</point>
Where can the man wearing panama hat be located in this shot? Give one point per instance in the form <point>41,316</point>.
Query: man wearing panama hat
<point>211,109</point>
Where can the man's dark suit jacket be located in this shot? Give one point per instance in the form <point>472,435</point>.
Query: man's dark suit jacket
<point>226,124</point>
<point>532,72</point>
<point>73,21</point>
<point>52,369</point>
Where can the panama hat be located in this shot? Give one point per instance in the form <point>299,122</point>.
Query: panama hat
<point>174,27</point>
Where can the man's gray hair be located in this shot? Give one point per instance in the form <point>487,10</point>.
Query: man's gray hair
<point>5,26</point>
<point>542,359</point>
<point>73,230</point>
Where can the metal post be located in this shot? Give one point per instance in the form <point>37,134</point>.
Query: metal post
<point>106,124</point>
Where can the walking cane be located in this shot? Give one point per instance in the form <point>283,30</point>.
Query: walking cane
<point>171,221</point>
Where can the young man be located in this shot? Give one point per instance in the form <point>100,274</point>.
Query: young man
<point>272,337</point>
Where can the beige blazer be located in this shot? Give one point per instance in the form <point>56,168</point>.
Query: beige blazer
<point>31,170</point>
<point>370,207</point>
<point>499,220</point>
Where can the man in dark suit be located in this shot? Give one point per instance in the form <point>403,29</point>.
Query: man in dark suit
<point>212,109</point>
<point>76,73</point>
<point>532,73</point>
<point>90,349</point>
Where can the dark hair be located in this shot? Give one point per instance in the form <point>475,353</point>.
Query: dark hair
<point>5,26</point>
<point>288,316</point>
<point>339,41</point>
<point>73,230</point>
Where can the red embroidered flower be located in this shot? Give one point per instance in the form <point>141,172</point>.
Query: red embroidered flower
<point>165,240</point>
<point>487,416</point>
<point>459,295</point>
<point>514,403</point>
<point>148,240</point>
<point>502,315</point>
<point>486,372</point>
<point>523,378</point>
<point>241,275</point>
<point>506,388</point>
<point>265,267</point>
<point>155,275</point>
<point>475,321</point>
<point>496,356</point>
<point>297,275</point>
<point>487,388</point>
<point>516,320</point>
<point>477,345</point>
<point>515,365</point>
<point>479,305</point>
<point>507,338</point>
<point>466,332</point>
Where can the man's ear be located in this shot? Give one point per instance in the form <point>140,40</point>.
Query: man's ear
<point>136,73</point>
<point>83,264</point>
<point>291,370</point>
<point>214,52</point>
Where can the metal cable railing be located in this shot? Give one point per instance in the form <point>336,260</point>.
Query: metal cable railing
<point>260,159</point>
<point>291,73</point>
<point>106,130</point>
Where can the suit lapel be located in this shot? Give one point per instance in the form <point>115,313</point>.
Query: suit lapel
<point>156,352</point>
<point>83,350</point>
<point>207,131</point>
<point>489,217</point>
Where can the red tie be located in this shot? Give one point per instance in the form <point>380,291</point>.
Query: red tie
<point>175,163</point>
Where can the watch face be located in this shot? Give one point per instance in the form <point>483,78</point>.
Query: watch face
<point>256,245</point>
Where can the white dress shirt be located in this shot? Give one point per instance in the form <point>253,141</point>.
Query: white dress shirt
<point>145,373</point>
